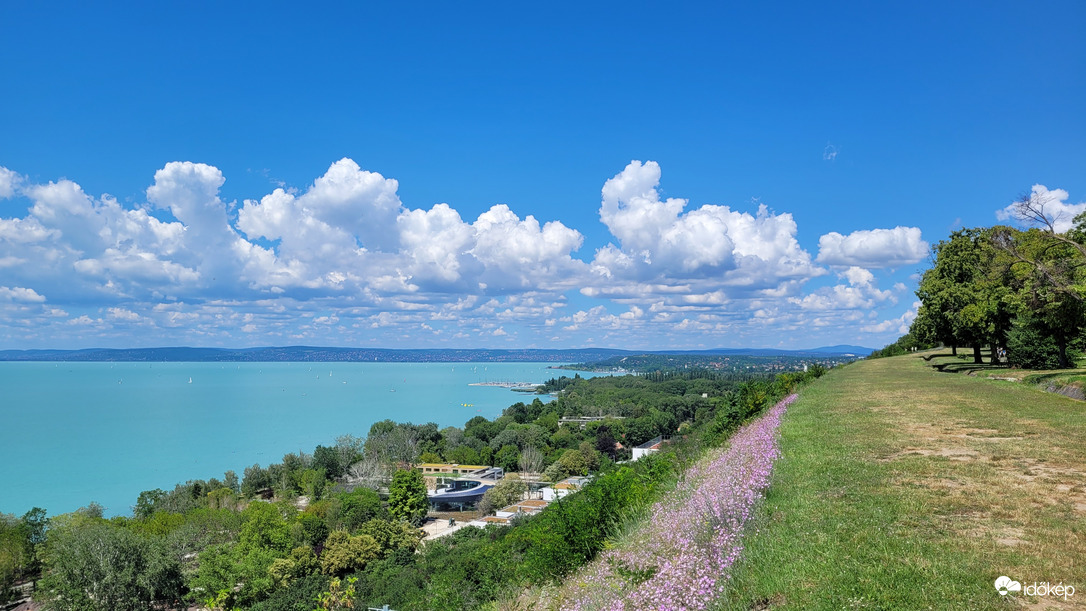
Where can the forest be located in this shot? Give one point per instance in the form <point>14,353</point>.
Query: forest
<point>339,526</point>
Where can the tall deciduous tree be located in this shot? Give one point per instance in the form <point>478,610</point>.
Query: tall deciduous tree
<point>407,498</point>
<point>965,300</point>
<point>531,460</point>
<point>1049,273</point>
<point>506,492</point>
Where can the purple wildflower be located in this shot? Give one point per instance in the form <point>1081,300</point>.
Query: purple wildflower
<point>683,556</point>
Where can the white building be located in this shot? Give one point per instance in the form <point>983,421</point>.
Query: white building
<point>653,445</point>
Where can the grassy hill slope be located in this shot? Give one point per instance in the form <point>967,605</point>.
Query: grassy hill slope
<point>901,487</point>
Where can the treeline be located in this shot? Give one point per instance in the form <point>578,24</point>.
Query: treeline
<point>707,365</point>
<point>314,526</point>
<point>1020,294</point>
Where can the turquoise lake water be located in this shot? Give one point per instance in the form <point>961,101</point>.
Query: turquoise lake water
<point>72,433</point>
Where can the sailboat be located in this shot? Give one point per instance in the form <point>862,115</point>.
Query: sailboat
<point>190,380</point>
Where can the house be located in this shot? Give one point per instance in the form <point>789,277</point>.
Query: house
<point>564,488</point>
<point>650,446</point>
<point>457,470</point>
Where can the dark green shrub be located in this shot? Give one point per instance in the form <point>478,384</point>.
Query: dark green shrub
<point>300,595</point>
<point>1029,347</point>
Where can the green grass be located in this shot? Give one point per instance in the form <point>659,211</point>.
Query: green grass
<point>902,487</point>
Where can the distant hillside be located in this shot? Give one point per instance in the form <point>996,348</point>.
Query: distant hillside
<point>307,353</point>
<point>321,354</point>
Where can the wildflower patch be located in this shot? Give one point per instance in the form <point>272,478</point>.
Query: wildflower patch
<point>683,556</point>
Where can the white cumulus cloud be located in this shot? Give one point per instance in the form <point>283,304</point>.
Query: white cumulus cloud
<point>660,241</point>
<point>860,293</point>
<point>519,253</point>
<point>9,182</point>
<point>873,248</point>
<point>20,294</point>
<point>344,260</point>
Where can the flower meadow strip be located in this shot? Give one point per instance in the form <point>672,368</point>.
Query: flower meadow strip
<point>683,556</point>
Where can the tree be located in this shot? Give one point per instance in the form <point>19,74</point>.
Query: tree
<point>343,553</point>
<point>1049,267</point>
<point>301,562</point>
<point>506,492</point>
<point>1048,273</point>
<point>355,508</point>
<point>147,502</point>
<point>264,527</point>
<point>572,462</point>
<point>328,459</point>
<point>255,479</point>
<point>311,482</point>
<point>531,460</point>
<point>464,455</point>
<point>392,536</point>
<point>299,595</point>
<point>243,569</point>
<point>222,498</point>
<point>338,597</point>
<point>507,457</point>
<point>90,565</point>
<point>481,428</point>
<point>20,540</point>
<point>348,451</point>
<point>230,482</point>
<point>605,441</point>
<point>591,456</point>
<point>965,294</point>
<point>371,472</point>
<point>14,554</point>
<point>453,437</point>
<point>1037,209</point>
<point>242,572</point>
<point>407,499</point>
<point>35,522</point>
<point>429,457</point>
<point>394,444</point>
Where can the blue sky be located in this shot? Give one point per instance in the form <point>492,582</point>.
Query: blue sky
<point>499,175</point>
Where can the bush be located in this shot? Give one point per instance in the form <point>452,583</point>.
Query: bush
<point>91,565</point>
<point>1029,347</point>
<point>355,508</point>
<point>300,595</point>
<point>571,531</point>
<point>344,554</point>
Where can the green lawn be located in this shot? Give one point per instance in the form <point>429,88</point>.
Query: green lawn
<point>901,487</point>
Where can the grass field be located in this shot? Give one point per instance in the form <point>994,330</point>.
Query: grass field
<point>903,487</point>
